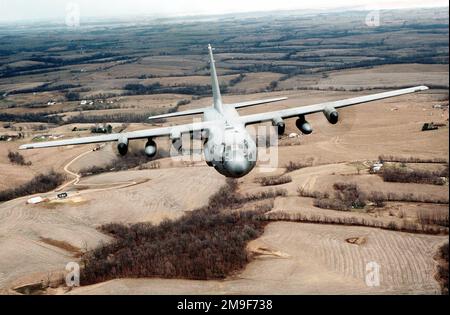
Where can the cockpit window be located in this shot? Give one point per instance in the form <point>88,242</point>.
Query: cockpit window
<point>237,148</point>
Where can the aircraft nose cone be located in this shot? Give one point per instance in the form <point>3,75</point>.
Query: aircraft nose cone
<point>239,167</point>
<point>334,117</point>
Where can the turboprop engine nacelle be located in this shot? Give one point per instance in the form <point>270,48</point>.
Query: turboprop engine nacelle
<point>331,114</point>
<point>303,125</point>
<point>279,123</point>
<point>150,148</point>
<point>122,146</point>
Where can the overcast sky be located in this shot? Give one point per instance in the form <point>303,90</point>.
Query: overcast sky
<point>14,10</point>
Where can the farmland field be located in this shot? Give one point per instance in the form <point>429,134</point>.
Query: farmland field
<point>58,82</point>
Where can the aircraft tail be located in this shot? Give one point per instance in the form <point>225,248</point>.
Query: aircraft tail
<point>214,82</point>
<point>217,104</point>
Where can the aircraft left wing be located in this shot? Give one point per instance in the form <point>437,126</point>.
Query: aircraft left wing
<point>310,109</point>
<point>139,134</point>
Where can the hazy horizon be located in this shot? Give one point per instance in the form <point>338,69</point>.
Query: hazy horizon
<point>22,10</point>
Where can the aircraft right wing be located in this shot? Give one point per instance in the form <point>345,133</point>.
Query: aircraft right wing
<point>173,131</point>
<point>310,109</point>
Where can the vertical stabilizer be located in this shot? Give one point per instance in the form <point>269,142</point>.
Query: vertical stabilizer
<point>214,82</point>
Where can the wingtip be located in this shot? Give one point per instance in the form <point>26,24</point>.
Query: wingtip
<point>422,88</point>
<point>156,117</point>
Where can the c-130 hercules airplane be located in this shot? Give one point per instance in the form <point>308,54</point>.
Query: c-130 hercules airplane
<point>228,146</point>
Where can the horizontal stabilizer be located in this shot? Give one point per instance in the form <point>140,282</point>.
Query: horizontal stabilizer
<point>202,110</point>
<point>258,102</point>
<point>182,113</point>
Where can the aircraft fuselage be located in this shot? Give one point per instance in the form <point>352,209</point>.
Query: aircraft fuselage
<point>229,146</point>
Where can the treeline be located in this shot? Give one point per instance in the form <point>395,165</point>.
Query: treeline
<point>31,69</point>
<point>442,268</point>
<point>410,159</point>
<point>48,63</point>
<point>17,158</point>
<point>293,166</point>
<point>73,61</point>
<point>72,96</point>
<point>403,226</point>
<point>262,195</point>
<point>54,118</point>
<point>39,184</point>
<point>274,180</point>
<point>424,58</point>
<point>201,245</point>
<point>157,88</point>
<point>122,163</point>
<point>237,80</point>
<point>112,118</point>
<point>348,196</point>
<point>403,175</point>
<point>45,88</point>
<point>207,243</point>
<point>189,89</point>
<point>75,95</point>
<point>434,216</point>
<point>47,117</point>
<point>379,198</point>
<point>98,106</point>
<point>290,71</point>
